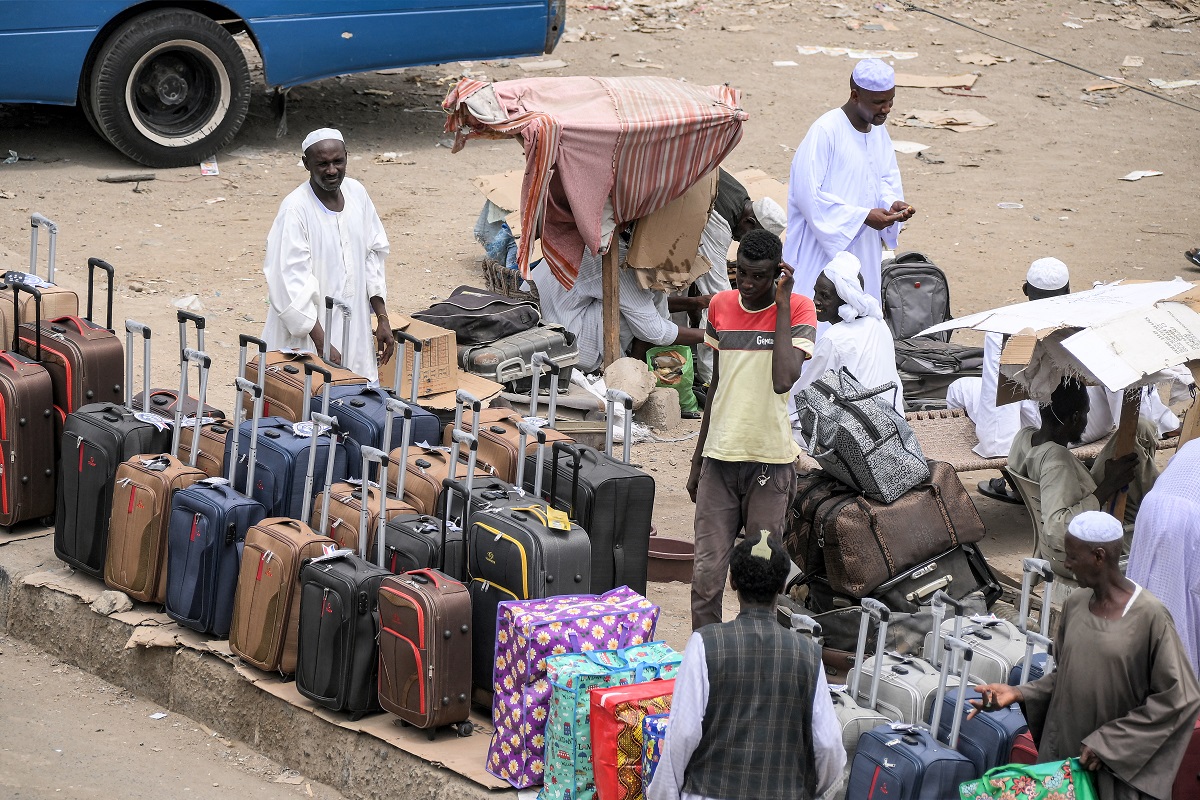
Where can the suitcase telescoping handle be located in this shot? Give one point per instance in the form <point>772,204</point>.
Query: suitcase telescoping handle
<point>132,328</point>
<point>615,396</point>
<point>256,392</point>
<point>1031,640</point>
<point>803,622</point>
<point>309,369</point>
<point>202,360</point>
<point>1029,568</point>
<point>872,609</point>
<point>576,464</point>
<point>342,306</point>
<point>464,398</point>
<point>459,437</point>
<point>36,221</point>
<point>184,317</point>
<point>244,342</point>
<point>93,265</point>
<point>372,455</point>
<point>526,430</point>
<point>14,281</point>
<point>392,407</point>
<point>450,486</point>
<point>417,346</point>
<point>542,363</point>
<point>310,475</point>
<point>938,607</point>
<point>951,645</point>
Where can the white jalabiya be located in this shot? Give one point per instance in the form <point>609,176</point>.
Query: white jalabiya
<point>995,426</point>
<point>1165,557</point>
<point>313,252</point>
<point>838,175</point>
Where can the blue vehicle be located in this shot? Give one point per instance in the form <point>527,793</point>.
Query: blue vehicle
<point>167,84</point>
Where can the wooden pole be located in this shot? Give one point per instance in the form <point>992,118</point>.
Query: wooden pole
<point>612,302</point>
<point>1191,420</point>
<point>1126,437</point>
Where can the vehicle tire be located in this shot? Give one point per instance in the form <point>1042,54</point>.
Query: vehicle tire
<point>170,88</point>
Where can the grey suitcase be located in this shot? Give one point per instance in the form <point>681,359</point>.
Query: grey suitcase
<point>510,359</point>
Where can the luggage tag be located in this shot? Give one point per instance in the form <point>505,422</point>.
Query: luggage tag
<point>557,519</point>
<point>190,421</point>
<point>152,419</point>
<point>215,481</point>
<point>903,727</point>
<point>304,430</point>
<point>330,552</point>
<point>26,279</point>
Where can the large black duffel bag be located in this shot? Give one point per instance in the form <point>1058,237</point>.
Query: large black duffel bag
<point>477,316</point>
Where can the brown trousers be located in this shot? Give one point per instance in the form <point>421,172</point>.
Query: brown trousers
<point>731,496</point>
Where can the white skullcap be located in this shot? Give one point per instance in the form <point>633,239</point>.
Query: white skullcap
<point>320,135</point>
<point>1096,527</point>
<point>1047,274</point>
<point>873,75</point>
<point>770,215</point>
<point>843,272</point>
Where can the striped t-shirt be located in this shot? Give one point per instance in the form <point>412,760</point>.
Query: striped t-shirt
<point>748,421</point>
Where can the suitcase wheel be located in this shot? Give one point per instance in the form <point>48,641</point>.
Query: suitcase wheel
<point>464,729</point>
<point>403,723</point>
<point>431,734</point>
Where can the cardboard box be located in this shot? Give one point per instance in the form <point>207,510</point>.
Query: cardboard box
<point>666,243</point>
<point>439,357</point>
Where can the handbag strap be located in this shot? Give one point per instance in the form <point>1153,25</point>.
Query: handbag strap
<point>873,521</point>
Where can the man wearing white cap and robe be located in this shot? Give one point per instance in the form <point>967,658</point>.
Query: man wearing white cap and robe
<point>327,240</point>
<point>856,336</point>
<point>845,191</point>
<point>1122,697</point>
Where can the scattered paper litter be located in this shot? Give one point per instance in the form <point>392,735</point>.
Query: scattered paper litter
<point>812,50</point>
<point>209,167</point>
<point>738,28</point>
<point>539,66</point>
<point>394,158</point>
<point>982,59</point>
<point>908,148</point>
<point>908,81</point>
<point>158,715</point>
<point>1070,24</point>
<point>784,64</point>
<point>212,200</point>
<point>1161,84</point>
<point>1103,86</point>
<point>961,120</point>
<point>1138,174</point>
<point>1009,206</point>
<point>1133,61</point>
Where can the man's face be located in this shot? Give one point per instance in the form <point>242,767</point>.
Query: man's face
<point>746,222</point>
<point>1079,421</point>
<point>1081,559</point>
<point>873,107</point>
<point>826,299</point>
<point>755,280</point>
<point>326,164</point>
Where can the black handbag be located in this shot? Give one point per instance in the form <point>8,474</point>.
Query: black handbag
<point>477,316</point>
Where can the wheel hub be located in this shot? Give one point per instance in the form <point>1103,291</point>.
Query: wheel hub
<point>169,85</point>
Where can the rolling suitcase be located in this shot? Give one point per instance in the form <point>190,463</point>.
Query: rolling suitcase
<point>1034,665</point>
<point>1024,751</point>
<point>284,454</point>
<point>425,640</point>
<point>989,737</point>
<point>208,525</point>
<point>337,655</point>
<point>56,301</point>
<point>96,438</point>
<point>84,359</point>
<point>612,500</point>
<point>214,432</point>
<point>907,762</point>
<point>342,503</point>
<point>287,386</point>
<point>143,491</point>
<point>27,473</point>
<point>510,359</point>
<point>426,467</point>
<point>164,401</point>
<point>266,605</point>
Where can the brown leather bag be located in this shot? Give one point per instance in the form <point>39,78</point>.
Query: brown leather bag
<point>862,543</point>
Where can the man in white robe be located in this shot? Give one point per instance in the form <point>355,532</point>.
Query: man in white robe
<point>327,240</point>
<point>845,191</point>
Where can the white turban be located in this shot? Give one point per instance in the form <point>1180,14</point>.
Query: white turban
<point>1096,527</point>
<point>770,215</point>
<point>843,271</point>
<point>321,135</point>
<point>873,75</point>
<point>1047,274</point>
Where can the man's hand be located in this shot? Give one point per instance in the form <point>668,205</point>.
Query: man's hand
<point>995,697</point>
<point>1090,761</point>
<point>880,218</point>
<point>335,356</point>
<point>693,481</point>
<point>903,209</point>
<point>785,283</point>
<point>385,342</point>
<point>1118,472</point>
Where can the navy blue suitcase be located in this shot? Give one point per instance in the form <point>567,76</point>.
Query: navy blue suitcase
<point>906,762</point>
<point>988,738</point>
<point>1037,669</point>
<point>208,525</point>
<point>283,452</point>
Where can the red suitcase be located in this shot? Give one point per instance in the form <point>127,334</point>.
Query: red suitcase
<point>1187,779</point>
<point>1024,750</point>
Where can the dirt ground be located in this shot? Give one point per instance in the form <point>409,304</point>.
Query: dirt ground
<point>1056,149</point>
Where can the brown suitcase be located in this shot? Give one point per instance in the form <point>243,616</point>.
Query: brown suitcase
<point>283,389</point>
<point>56,301</point>
<point>425,470</point>
<point>27,475</point>
<point>860,544</point>
<point>498,440</point>
<point>85,360</point>
<point>214,432</point>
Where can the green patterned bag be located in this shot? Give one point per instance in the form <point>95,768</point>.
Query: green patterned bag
<point>1059,780</point>
<point>569,771</point>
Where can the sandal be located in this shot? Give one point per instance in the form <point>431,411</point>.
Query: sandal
<point>1193,256</point>
<point>997,489</point>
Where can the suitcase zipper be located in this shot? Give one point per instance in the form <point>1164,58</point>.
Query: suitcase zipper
<point>497,536</point>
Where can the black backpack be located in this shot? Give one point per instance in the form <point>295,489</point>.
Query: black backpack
<point>915,295</point>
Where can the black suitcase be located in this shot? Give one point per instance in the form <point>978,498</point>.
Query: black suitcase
<point>337,652</point>
<point>96,439</point>
<point>611,499</point>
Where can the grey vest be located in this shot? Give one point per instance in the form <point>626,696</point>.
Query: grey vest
<point>757,741</point>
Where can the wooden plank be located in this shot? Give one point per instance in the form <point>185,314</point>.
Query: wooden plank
<point>612,303</point>
<point>1126,437</point>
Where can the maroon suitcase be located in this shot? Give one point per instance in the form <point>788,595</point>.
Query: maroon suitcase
<point>164,401</point>
<point>1187,779</point>
<point>1024,751</point>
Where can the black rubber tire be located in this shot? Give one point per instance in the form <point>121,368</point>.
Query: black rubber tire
<point>170,88</point>
<point>85,105</point>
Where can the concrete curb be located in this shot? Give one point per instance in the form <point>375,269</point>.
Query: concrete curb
<point>209,690</point>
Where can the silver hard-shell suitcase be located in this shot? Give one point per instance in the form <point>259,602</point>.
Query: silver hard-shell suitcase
<point>510,359</point>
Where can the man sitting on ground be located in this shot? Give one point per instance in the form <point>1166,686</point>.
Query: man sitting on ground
<point>1066,487</point>
<point>751,716</point>
<point>856,338</point>
<point>1122,698</point>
